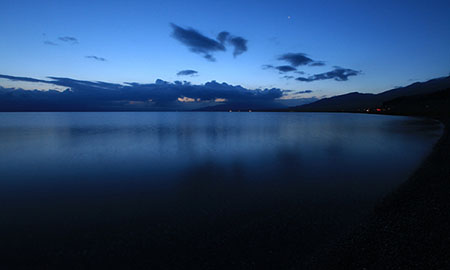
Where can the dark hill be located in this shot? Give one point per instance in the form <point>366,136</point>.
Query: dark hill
<point>436,104</point>
<point>351,101</point>
<point>418,88</point>
<point>360,102</point>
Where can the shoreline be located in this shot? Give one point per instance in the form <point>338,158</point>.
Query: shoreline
<point>408,229</point>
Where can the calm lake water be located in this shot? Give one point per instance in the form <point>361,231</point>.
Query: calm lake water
<point>206,190</point>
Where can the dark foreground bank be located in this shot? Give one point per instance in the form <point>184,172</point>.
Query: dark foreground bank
<point>408,230</point>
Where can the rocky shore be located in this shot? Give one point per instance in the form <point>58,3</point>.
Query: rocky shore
<point>409,229</point>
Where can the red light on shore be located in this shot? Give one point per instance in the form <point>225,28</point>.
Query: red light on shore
<point>378,110</point>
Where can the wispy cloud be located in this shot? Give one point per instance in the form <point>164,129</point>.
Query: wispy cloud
<point>285,68</point>
<point>281,69</point>
<point>187,72</point>
<point>51,43</point>
<point>298,91</point>
<point>317,64</point>
<point>68,39</point>
<point>299,59</point>
<point>294,60</point>
<point>338,74</point>
<point>62,39</point>
<point>97,58</point>
<point>304,92</point>
<point>23,79</point>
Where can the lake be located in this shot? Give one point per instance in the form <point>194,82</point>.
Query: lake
<point>177,190</point>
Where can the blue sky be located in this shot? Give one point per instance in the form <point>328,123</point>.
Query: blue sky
<point>388,43</point>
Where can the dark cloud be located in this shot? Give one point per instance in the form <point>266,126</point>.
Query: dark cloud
<point>338,74</point>
<point>304,92</point>
<point>296,59</point>
<point>317,64</point>
<point>182,82</point>
<point>222,37</point>
<point>240,45</point>
<point>298,91</point>
<point>286,68</point>
<point>23,79</point>
<point>281,69</point>
<point>187,72</point>
<point>101,59</point>
<point>161,95</point>
<point>206,46</point>
<point>287,77</point>
<point>68,39</point>
<point>299,59</point>
<point>197,42</point>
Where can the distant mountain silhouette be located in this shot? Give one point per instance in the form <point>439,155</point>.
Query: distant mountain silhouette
<point>347,102</point>
<point>436,104</point>
<point>257,106</point>
<point>360,102</point>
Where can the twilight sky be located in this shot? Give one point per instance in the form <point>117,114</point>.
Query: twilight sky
<point>328,47</point>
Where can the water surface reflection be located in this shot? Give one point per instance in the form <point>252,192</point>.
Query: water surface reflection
<point>207,190</point>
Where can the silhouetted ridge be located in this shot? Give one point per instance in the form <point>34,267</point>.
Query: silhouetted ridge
<point>436,104</point>
<point>361,102</point>
<point>350,101</point>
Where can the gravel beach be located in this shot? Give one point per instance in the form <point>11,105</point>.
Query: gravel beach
<point>409,229</point>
